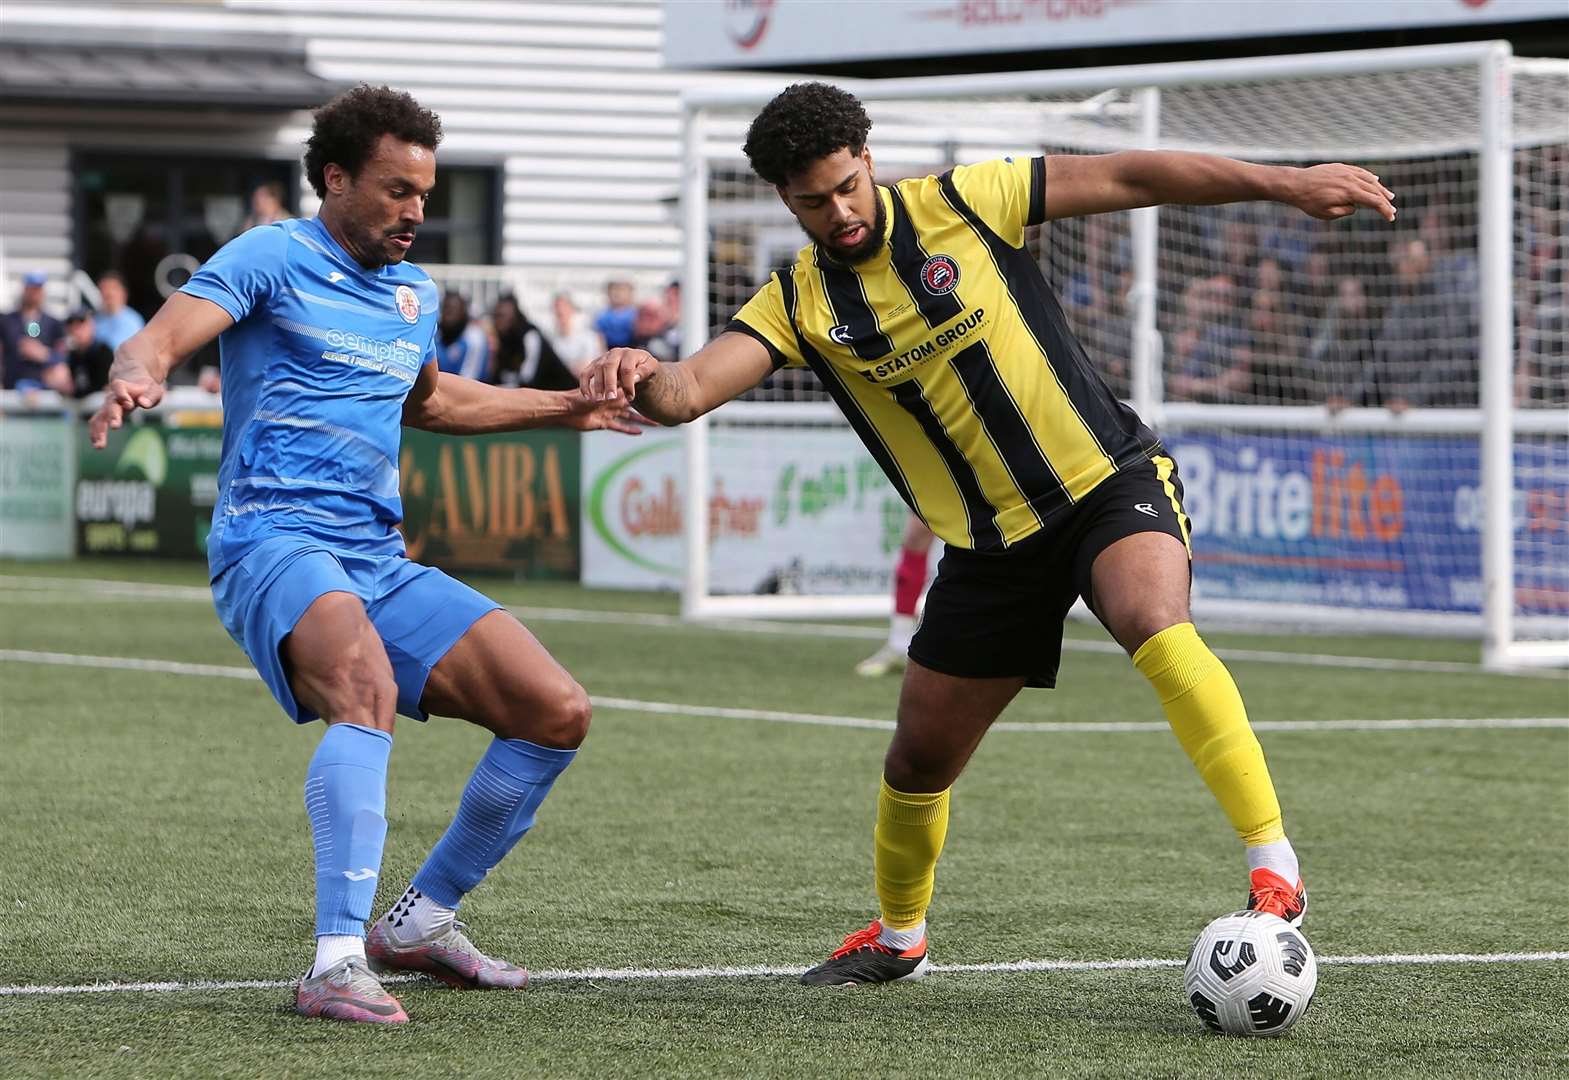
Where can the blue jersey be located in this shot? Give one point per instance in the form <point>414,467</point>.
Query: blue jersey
<point>316,368</point>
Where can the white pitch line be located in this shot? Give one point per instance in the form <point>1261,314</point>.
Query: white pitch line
<point>14,588</point>
<point>769,970</point>
<point>1080,727</point>
<point>772,716</point>
<point>1426,723</point>
<point>722,713</point>
<point>93,588</point>
<point>1442,958</point>
<point>127,663</point>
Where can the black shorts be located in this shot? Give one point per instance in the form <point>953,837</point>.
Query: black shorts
<point>993,615</point>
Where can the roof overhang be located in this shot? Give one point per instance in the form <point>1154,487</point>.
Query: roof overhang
<point>230,72</point>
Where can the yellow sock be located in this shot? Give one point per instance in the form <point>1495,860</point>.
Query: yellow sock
<point>1207,715</point>
<point>909,837</point>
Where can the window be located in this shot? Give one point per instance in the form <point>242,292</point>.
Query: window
<point>462,219</point>
<point>155,219</point>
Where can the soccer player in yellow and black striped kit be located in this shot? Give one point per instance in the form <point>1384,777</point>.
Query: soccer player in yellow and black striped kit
<point>924,316</point>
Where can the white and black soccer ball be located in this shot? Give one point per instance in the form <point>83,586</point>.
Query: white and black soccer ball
<point>1250,973</point>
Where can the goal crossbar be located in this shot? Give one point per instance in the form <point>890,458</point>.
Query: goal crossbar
<point>1182,73</point>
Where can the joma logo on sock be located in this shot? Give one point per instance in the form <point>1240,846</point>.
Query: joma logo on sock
<point>362,874</point>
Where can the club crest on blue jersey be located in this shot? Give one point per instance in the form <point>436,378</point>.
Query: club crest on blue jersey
<point>940,275</point>
<point>408,304</point>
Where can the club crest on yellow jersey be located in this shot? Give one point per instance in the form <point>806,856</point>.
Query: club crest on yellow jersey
<point>940,275</point>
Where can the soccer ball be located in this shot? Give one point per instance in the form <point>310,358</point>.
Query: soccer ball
<point>1250,973</point>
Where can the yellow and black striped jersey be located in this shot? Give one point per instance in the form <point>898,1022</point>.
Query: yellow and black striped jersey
<point>949,354</point>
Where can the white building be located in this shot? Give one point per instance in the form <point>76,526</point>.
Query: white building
<point>132,132</point>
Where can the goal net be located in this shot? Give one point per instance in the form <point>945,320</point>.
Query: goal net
<point>1369,419</point>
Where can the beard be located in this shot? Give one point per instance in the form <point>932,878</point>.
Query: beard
<point>393,253</point>
<point>379,246</point>
<point>875,239</point>
<point>373,248</point>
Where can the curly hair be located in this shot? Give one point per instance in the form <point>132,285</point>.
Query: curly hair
<point>807,121</point>
<point>349,126</point>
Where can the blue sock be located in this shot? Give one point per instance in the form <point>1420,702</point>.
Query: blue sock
<point>345,796</point>
<point>497,808</point>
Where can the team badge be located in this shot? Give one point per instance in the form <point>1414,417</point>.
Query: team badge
<point>408,303</point>
<point>841,334</point>
<point>940,275</point>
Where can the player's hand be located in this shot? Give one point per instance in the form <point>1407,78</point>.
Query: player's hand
<point>587,414</point>
<point>1328,192</point>
<point>616,374</point>
<point>129,389</point>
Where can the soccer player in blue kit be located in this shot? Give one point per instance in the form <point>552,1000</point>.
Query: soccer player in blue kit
<point>328,343</point>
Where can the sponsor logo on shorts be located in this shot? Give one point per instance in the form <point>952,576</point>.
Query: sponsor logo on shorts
<point>408,304</point>
<point>940,275</point>
<point>841,334</point>
<point>1146,508</point>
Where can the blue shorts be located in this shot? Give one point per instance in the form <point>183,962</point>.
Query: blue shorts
<point>418,611</point>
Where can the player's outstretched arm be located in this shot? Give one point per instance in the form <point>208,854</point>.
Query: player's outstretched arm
<point>1100,183</point>
<point>454,405</point>
<point>143,361</point>
<point>674,393</point>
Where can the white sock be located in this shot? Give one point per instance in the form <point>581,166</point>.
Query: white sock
<point>416,917</point>
<point>1277,856</point>
<point>901,628</point>
<point>903,939</point>
<point>331,948</point>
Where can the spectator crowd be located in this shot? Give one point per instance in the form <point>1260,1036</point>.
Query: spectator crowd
<point>1257,305</point>
<point>506,347</point>
<point>70,357</point>
<point>1260,305</point>
<point>502,346</point>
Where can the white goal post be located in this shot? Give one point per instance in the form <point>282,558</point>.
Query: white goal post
<point>1372,421</point>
